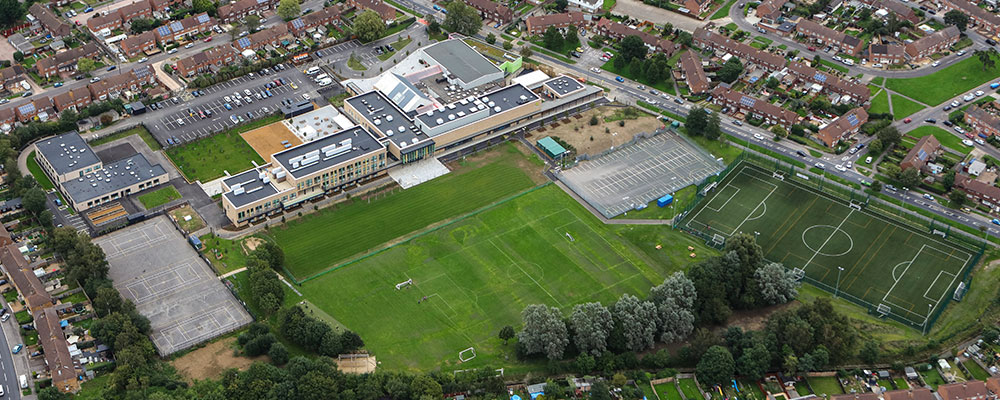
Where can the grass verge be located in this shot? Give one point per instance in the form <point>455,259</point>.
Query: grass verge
<point>159,197</point>
<point>36,171</point>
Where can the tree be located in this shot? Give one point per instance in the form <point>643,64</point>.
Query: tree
<point>462,19</point>
<point>697,121</point>
<point>633,47</point>
<point>754,361</point>
<point>51,393</point>
<point>876,186</point>
<point>140,25</point>
<point>526,51</point>
<point>560,5</point>
<point>572,36</point>
<point>875,146</point>
<point>34,200</point>
<point>676,321</point>
<point>593,120</point>
<point>909,177</point>
<point>714,129</point>
<point>289,9</point>
<point>730,71</point>
<point>869,352</point>
<point>716,366</point>
<point>253,22</point>
<point>369,26</point>
<point>544,331</point>
<point>777,283</point>
<point>957,18</point>
<point>986,59</point>
<point>957,197</point>
<point>889,136</point>
<point>637,320</point>
<point>434,27</point>
<point>677,287</point>
<point>278,353</point>
<point>507,45</point>
<point>491,38</point>
<point>201,6</point>
<point>991,334</point>
<point>948,180</point>
<point>18,56</point>
<point>10,12</point>
<point>592,324</point>
<point>506,333</point>
<point>552,39</point>
<point>85,65</point>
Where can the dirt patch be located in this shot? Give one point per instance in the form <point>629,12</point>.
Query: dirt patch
<point>991,265</point>
<point>356,363</point>
<point>267,140</point>
<point>191,224</point>
<point>211,360</point>
<point>251,243</point>
<point>593,139</point>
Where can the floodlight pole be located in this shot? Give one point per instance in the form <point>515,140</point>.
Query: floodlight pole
<point>927,318</point>
<point>837,290</point>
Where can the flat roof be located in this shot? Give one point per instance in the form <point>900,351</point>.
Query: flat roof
<point>563,85</point>
<point>390,120</point>
<point>254,188</point>
<point>67,152</point>
<point>112,178</point>
<point>472,108</point>
<point>461,60</point>
<point>326,152</point>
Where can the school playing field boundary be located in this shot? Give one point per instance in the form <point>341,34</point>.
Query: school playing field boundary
<point>845,195</point>
<point>410,238</point>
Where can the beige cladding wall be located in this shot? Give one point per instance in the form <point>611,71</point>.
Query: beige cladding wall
<point>233,213</point>
<point>82,205</point>
<point>74,174</point>
<point>511,116</point>
<point>319,174</point>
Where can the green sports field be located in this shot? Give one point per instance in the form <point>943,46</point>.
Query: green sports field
<point>883,262</point>
<point>474,276</point>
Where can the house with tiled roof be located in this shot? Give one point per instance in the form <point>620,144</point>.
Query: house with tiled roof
<point>829,37</point>
<point>587,6</point>
<point>934,43</point>
<point>925,151</point>
<point>387,12</point>
<point>206,61</point>
<point>73,99</point>
<point>704,37</point>
<point>617,30</point>
<point>770,10</point>
<point>314,20</point>
<point>63,371</point>
<point>136,45</point>
<point>537,25</point>
<point>139,9</point>
<point>28,285</point>
<point>979,18</point>
<point>842,127</point>
<point>902,11</point>
<point>696,7</point>
<point>11,78</point>
<point>49,21</point>
<point>259,40</point>
<point>856,396</point>
<point>970,390</point>
<point>239,10</point>
<point>491,10</point>
<point>694,73</point>
<point>178,30</point>
<point>65,61</point>
<point>858,93</point>
<point>161,6</point>
<point>739,102</point>
<point>982,121</point>
<point>911,394</point>
<point>112,87</point>
<point>97,22</point>
<point>886,53</point>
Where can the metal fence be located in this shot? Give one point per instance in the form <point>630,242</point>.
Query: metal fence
<point>821,186</point>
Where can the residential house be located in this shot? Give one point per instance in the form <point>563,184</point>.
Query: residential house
<point>113,86</point>
<point>616,30</point>
<point>707,39</point>
<point>58,360</point>
<point>258,40</point>
<point>856,396</point>
<point>934,43</point>
<point>587,6</point>
<point>537,25</point>
<point>829,37</point>
<point>984,21</point>
<point>912,394</point>
<point>7,117</point>
<point>139,9</point>
<point>205,61</point>
<point>161,6</point>
<point>65,61</point>
<point>98,22</point>
<point>387,12</point>
<point>177,30</point>
<point>982,121</point>
<point>239,10</point>
<point>903,12</point>
<point>11,78</point>
<point>49,21</point>
<point>857,92</point>
<point>769,11</point>
<point>694,73</point>
<point>73,99</point>
<point>980,191</point>
<point>886,53</point>
<point>697,7</point>
<point>491,10</point>
<point>738,102</point>
<point>311,21</point>
<point>842,127</point>
<point>970,390</point>
<point>40,107</point>
<point>136,45</point>
<point>925,151</point>
<point>28,285</point>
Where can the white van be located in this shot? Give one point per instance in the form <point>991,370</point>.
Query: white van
<point>24,381</point>
<point>312,70</point>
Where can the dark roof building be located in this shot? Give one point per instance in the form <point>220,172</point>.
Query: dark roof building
<point>694,73</point>
<point>50,22</point>
<point>982,121</point>
<point>31,288</point>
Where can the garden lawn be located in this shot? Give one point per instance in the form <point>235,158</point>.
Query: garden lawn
<point>358,227</point>
<point>207,159</point>
<point>667,391</point>
<point>932,378</point>
<point>159,197</point>
<point>976,371</point>
<point>825,386</point>
<point>476,275</point>
<point>880,103</point>
<point>724,11</point>
<point>690,389</point>
<point>36,171</point>
<point>232,253</point>
<point>74,298</point>
<point>946,138</point>
<point>946,83</point>
<point>903,107</point>
<point>834,65</point>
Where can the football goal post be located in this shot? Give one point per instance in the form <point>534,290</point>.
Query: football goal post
<point>883,310</point>
<point>778,175</point>
<point>467,354</point>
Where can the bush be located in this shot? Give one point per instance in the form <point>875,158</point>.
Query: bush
<point>278,354</point>
<point>593,120</point>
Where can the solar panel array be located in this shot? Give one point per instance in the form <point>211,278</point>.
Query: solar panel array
<point>747,101</point>
<point>202,19</point>
<point>820,77</point>
<point>176,26</point>
<point>853,119</point>
<point>27,108</point>
<point>922,155</point>
<point>298,24</point>
<point>163,30</point>
<point>243,42</point>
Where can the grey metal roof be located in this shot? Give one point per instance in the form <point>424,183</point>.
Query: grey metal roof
<point>254,188</point>
<point>563,85</point>
<point>112,178</point>
<point>67,152</point>
<point>388,118</point>
<point>467,111</point>
<point>461,60</point>
<point>327,152</point>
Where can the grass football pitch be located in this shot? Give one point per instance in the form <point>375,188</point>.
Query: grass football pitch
<point>476,275</point>
<point>849,251</point>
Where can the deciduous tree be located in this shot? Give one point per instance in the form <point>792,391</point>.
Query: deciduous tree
<point>544,331</point>
<point>777,283</point>
<point>462,19</point>
<point>637,320</point>
<point>369,26</point>
<point>592,324</point>
<point>289,9</point>
<point>716,366</point>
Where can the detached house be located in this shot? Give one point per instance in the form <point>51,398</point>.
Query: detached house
<point>925,151</point>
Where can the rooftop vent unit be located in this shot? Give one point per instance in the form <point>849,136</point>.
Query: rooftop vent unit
<point>497,109</point>
<point>451,117</point>
<point>439,121</point>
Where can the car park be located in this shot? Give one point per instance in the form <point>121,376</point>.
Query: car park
<point>228,106</point>
<point>180,121</point>
<point>234,119</point>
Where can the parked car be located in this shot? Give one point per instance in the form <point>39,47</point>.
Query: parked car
<point>619,79</point>
<point>112,68</point>
<point>17,348</point>
<point>189,45</point>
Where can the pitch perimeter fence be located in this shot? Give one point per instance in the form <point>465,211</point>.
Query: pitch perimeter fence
<point>822,186</point>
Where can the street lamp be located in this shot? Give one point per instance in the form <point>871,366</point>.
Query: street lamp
<point>837,290</point>
<point>927,318</point>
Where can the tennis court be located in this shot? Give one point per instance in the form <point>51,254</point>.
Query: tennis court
<point>855,253</point>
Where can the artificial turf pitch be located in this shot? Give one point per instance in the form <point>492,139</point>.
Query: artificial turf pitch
<point>883,261</point>
<point>476,275</point>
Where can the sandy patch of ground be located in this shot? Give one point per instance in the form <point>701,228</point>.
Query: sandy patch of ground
<point>356,363</point>
<point>211,360</point>
<point>267,140</point>
<point>251,243</point>
<point>593,139</point>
